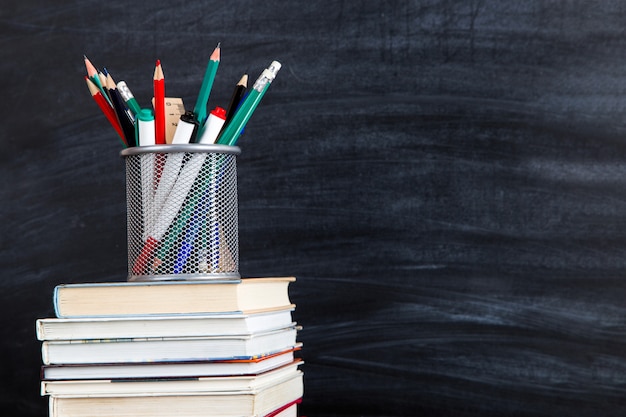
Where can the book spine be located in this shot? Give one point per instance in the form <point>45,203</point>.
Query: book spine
<point>55,302</point>
<point>39,330</point>
<point>45,357</point>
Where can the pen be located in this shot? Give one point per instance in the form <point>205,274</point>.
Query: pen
<point>108,111</point>
<point>159,104</point>
<point>213,126</point>
<point>120,110</point>
<point>186,129</point>
<point>231,133</point>
<point>200,109</point>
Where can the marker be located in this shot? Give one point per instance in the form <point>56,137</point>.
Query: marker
<point>174,207</point>
<point>128,97</point>
<point>108,111</point>
<point>159,104</point>
<point>186,129</point>
<point>213,126</point>
<point>145,127</point>
<point>231,133</point>
<point>120,110</point>
<point>170,169</point>
<point>205,212</point>
<point>145,137</point>
<point>207,83</point>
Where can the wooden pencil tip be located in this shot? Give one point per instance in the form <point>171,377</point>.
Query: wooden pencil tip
<point>158,62</point>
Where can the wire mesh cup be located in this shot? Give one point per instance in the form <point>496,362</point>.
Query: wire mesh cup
<point>182,212</point>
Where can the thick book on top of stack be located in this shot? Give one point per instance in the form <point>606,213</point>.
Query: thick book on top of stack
<point>171,297</point>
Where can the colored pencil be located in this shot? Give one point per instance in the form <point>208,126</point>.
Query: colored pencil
<point>159,104</point>
<point>231,133</point>
<point>108,111</point>
<point>92,73</point>
<point>200,109</point>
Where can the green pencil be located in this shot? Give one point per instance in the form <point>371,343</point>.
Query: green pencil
<point>207,83</point>
<point>231,133</point>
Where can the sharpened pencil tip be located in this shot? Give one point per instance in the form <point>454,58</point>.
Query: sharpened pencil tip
<point>215,56</point>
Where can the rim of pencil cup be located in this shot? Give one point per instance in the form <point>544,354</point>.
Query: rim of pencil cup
<point>187,147</point>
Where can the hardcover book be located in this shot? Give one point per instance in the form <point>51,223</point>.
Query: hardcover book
<point>141,298</point>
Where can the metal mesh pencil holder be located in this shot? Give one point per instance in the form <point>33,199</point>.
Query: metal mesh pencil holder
<point>182,212</point>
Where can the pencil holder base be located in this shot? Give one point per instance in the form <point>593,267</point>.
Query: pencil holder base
<point>234,276</point>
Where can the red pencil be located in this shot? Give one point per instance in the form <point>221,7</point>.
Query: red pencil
<point>106,108</point>
<point>159,104</point>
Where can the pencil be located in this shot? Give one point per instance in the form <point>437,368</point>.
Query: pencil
<point>235,100</point>
<point>200,109</point>
<point>159,104</point>
<point>108,111</point>
<point>92,73</point>
<point>231,133</point>
<point>120,110</point>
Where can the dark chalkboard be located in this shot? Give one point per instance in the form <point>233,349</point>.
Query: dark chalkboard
<point>446,179</point>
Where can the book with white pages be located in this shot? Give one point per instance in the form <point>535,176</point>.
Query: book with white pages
<point>162,326</point>
<point>166,349</point>
<point>156,386</point>
<point>169,369</point>
<point>253,403</point>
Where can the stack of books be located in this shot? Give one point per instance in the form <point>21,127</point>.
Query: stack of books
<point>172,348</point>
